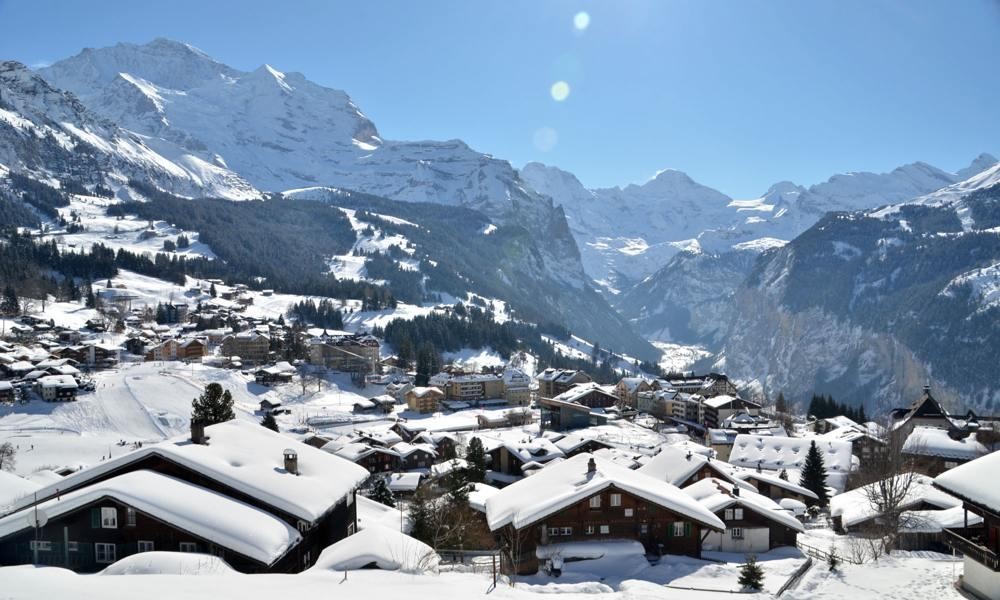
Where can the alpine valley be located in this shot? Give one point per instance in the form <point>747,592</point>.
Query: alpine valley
<point>866,284</point>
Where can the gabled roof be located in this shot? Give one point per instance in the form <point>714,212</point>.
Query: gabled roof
<point>209,515</point>
<point>248,458</point>
<point>675,466</point>
<point>774,480</point>
<point>562,485</point>
<point>975,482</point>
<point>580,390</point>
<point>717,495</point>
<point>932,441</point>
<point>854,506</point>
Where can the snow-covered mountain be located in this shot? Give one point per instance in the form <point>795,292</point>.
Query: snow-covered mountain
<point>45,131</point>
<point>626,233</point>
<point>871,304</point>
<point>168,114</point>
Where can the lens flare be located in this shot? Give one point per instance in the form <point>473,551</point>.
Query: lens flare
<point>581,21</point>
<point>545,139</point>
<point>559,91</point>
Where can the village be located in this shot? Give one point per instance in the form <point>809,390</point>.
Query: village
<point>321,450</point>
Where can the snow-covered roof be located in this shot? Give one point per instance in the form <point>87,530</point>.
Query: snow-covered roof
<point>559,486</point>
<point>716,494</point>
<point>353,451</point>
<point>249,458</point>
<point>442,469</point>
<point>568,443</point>
<point>58,381</point>
<point>974,481</point>
<point>934,521</point>
<point>676,465</point>
<point>210,515</point>
<point>479,493</point>
<point>420,392</point>
<point>933,441</point>
<point>582,389</point>
<point>774,480</point>
<point>14,488</point>
<point>779,452</point>
<point>538,450</point>
<point>388,548</point>
<point>404,482</point>
<point>720,401</point>
<point>405,449</point>
<point>854,506</point>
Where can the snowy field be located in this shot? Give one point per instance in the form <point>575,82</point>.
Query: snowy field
<point>678,358</point>
<point>903,577</point>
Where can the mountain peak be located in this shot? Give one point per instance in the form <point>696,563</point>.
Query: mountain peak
<point>979,164</point>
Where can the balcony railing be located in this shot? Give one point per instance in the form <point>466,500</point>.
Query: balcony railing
<point>973,550</point>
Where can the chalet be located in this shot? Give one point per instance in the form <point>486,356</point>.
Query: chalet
<point>854,511</point>
<point>590,395</point>
<point>251,346</point>
<point>165,350</point>
<point>776,488</point>
<point>56,388</point>
<point>974,483</point>
<point>281,372</point>
<point>511,457</point>
<point>239,464</point>
<point>375,459</point>
<point>587,499</point>
<point>192,349</point>
<point>754,523</point>
<point>414,456</point>
<point>671,404</point>
<point>137,345</point>
<point>562,415</point>
<point>552,382</point>
<point>349,353</point>
<point>267,406</point>
<point>398,390</point>
<point>925,411</point>
<point>864,443</point>
<point>386,438</point>
<point>706,386</point>
<point>571,445</point>
<point>721,442</point>
<point>444,443</point>
<point>682,468</point>
<point>933,451</point>
<point>404,484</point>
<point>424,399</point>
<point>777,453</point>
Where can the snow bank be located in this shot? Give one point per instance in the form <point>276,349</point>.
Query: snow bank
<point>387,548</point>
<point>169,563</point>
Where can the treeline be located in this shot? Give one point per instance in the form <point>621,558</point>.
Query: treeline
<point>43,197</point>
<point>825,407</point>
<point>323,314</point>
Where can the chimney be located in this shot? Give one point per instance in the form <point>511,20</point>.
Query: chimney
<point>688,455</point>
<point>736,490</point>
<point>291,461</point>
<point>198,432</point>
<point>591,465</point>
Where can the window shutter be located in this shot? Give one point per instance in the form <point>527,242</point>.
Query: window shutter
<point>687,529</point>
<point>95,518</point>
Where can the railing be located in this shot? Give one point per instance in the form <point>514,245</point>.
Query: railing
<point>823,555</point>
<point>976,552</point>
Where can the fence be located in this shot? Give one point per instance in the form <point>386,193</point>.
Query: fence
<point>823,555</point>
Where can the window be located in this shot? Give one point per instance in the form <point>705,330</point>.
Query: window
<point>679,529</point>
<point>350,529</point>
<point>589,530</point>
<point>950,464</point>
<point>188,547</point>
<point>72,546</point>
<point>104,553</point>
<point>553,531</point>
<point>145,546</point>
<point>644,529</point>
<point>41,546</point>
<point>109,517</point>
<point>616,499</point>
<point>738,514</point>
<point>130,517</point>
<point>303,526</point>
<point>736,533</point>
<point>728,516</point>
<point>595,502</point>
<point>629,512</point>
<point>605,530</point>
<point>566,531</point>
<point>306,559</point>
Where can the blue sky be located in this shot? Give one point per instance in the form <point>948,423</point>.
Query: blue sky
<point>737,94</point>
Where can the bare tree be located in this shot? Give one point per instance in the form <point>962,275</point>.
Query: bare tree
<point>8,456</point>
<point>512,542</point>
<point>888,480</point>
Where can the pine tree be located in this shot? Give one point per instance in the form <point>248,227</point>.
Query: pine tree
<point>10,304</point>
<point>421,526</point>
<point>814,474</point>
<point>381,493</point>
<point>269,422</point>
<point>215,405</point>
<point>783,475</point>
<point>211,290</point>
<point>751,574</point>
<point>780,406</point>
<point>458,491</point>
<point>475,455</point>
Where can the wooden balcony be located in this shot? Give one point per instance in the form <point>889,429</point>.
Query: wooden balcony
<point>972,547</point>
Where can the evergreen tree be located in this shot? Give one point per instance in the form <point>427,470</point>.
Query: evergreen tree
<point>814,474</point>
<point>381,493</point>
<point>475,455</point>
<point>88,294</point>
<point>269,422</point>
<point>458,491</point>
<point>211,290</point>
<point>783,475</point>
<point>780,406</point>
<point>10,304</point>
<point>751,574</point>
<point>215,405</point>
<point>421,518</point>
